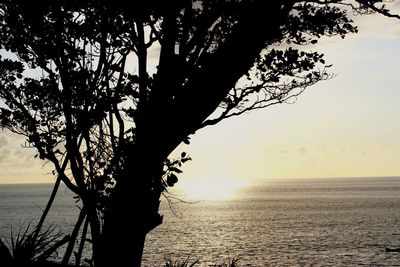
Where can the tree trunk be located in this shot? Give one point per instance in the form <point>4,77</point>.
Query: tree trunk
<point>124,232</point>
<point>122,240</point>
<point>133,213</point>
<point>160,127</point>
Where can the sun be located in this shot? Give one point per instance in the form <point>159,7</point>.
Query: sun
<point>211,189</point>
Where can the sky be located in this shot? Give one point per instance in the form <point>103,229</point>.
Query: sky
<point>348,126</point>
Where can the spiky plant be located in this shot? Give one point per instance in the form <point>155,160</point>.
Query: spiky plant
<point>185,263</point>
<point>231,263</point>
<point>30,245</point>
<point>177,263</point>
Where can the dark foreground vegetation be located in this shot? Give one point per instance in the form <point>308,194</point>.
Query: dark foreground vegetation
<point>168,263</point>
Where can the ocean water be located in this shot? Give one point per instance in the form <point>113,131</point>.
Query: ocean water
<point>310,222</point>
<point>23,204</point>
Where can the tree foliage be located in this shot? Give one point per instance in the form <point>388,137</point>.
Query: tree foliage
<point>101,89</point>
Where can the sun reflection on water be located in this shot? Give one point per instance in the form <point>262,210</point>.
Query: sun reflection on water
<point>211,189</point>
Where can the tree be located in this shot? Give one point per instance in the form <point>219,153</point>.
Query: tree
<point>76,79</point>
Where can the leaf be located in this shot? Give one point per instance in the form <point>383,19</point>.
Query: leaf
<point>173,169</point>
<point>172,179</point>
<point>186,159</point>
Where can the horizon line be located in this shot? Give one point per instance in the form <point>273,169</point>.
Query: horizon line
<point>250,179</point>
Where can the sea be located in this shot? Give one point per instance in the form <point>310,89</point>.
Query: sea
<point>287,222</point>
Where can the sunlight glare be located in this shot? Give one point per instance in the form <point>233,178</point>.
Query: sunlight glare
<point>211,189</point>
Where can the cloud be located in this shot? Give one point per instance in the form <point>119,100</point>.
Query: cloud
<point>395,6</point>
<point>342,150</point>
<point>3,141</point>
<point>302,151</point>
<point>4,156</point>
<point>371,27</point>
<point>12,156</point>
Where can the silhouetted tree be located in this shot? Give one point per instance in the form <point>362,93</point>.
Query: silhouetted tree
<point>105,91</point>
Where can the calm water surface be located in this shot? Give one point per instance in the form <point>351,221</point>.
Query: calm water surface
<point>325,222</point>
